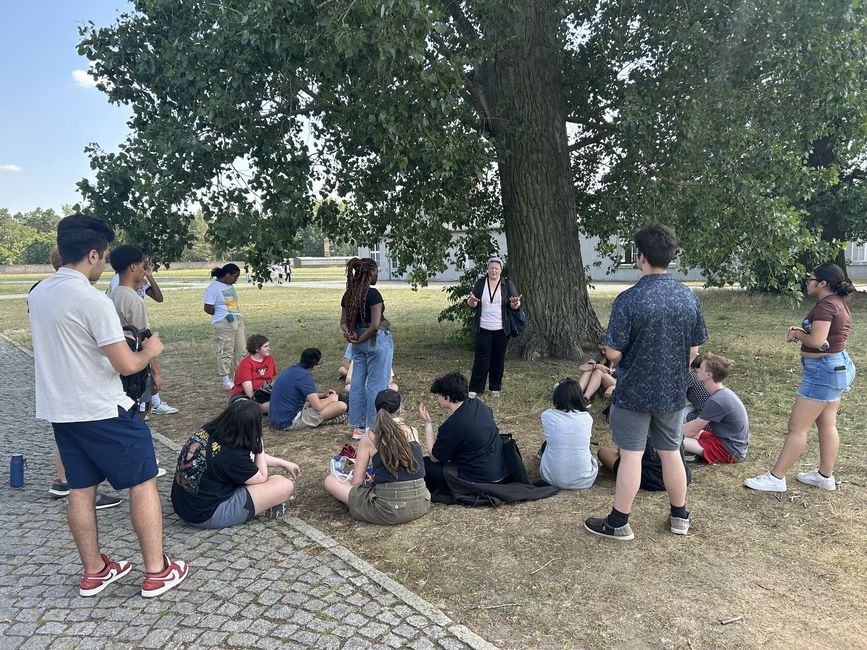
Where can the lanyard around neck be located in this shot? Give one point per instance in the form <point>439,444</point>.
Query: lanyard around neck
<point>492,293</point>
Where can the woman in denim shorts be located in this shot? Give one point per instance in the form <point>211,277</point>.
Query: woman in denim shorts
<point>828,373</point>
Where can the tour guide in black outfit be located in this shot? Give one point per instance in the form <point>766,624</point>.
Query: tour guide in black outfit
<point>492,297</point>
<point>469,437</point>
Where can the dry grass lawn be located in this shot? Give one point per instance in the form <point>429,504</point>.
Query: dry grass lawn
<point>789,570</point>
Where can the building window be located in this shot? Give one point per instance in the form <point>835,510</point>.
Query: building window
<point>857,253</point>
<point>626,253</point>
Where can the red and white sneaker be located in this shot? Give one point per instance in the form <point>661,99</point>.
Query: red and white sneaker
<point>159,583</point>
<point>92,583</point>
<point>358,434</point>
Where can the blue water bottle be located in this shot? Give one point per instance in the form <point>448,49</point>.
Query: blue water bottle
<point>16,470</point>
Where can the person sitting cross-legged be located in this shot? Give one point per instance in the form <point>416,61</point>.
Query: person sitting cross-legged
<point>721,431</point>
<point>396,493</point>
<point>222,478</point>
<point>295,402</point>
<point>255,373</point>
<point>468,437</point>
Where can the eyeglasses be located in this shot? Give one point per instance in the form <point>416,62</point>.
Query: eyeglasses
<point>812,279</point>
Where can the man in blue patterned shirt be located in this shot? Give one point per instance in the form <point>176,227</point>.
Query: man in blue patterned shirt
<point>654,331</point>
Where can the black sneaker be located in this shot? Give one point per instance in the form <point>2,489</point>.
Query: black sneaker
<point>104,501</point>
<point>58,489</point>
<point>599,526</point>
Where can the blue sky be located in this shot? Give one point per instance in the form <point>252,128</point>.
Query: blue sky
<point>48,111</point>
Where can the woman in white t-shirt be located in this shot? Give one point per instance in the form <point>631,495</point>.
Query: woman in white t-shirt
<point>491,297</point>
<point>221,303</point>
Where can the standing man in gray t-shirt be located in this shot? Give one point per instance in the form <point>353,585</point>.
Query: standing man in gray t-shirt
<point>654,332</point>
<point>721,431</point>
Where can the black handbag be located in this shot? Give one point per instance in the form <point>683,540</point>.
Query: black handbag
<point>514,460</point>
<point>517,321</point>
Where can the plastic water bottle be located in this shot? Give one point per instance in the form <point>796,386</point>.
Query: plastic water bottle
<point>17,463</point>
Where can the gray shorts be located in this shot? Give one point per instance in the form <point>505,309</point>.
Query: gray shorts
<point>630,429</point>
<point>235,510</point>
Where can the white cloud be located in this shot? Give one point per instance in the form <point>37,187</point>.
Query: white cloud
<point>83,79</point>
<point>10,168</point>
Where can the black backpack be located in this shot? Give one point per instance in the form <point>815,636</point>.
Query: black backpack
<point>134,385</point>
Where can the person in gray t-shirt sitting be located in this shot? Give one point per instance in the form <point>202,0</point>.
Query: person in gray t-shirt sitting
<point>724,412</point>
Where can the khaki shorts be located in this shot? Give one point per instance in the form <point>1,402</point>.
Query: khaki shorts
<point>307,417</point>
<point>389,503</point>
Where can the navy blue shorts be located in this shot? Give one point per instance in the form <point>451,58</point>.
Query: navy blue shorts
<point>118,449</point>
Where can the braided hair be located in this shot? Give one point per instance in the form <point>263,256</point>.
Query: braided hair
<point>358,274</point>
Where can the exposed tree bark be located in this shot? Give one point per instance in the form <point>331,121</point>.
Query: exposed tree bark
<point>524,90</point>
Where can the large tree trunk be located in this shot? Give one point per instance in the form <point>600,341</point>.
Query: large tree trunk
<point>523,86</point>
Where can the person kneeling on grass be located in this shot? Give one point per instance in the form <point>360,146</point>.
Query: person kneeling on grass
<point>295,402</point>
<point>723,412</point>
<point>566,459</point>
<point>397,493</point>
<point>255,373</point>
<point>222,476</point>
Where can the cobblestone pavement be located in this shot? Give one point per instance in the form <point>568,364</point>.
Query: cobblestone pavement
<point>267,584</point>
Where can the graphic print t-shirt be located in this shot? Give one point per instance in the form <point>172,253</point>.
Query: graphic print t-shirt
<point>257,372</point>
<point>224,298</point>
<point>201,482</point>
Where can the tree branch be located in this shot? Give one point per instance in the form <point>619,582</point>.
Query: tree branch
<point>605,130</point>
<point>475,96</point>
<point>463,24</point>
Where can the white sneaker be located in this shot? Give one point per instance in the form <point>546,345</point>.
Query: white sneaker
<point>766,482</point>
<point>164,409</point>
<point>228,384</point>
<point>814,478</point>
<point>472,394</point>
<point>495,393</point>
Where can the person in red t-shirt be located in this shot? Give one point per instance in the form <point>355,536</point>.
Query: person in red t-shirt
<point>255,373</point>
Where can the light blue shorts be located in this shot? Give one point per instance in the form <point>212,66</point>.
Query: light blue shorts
<point>826,378</point>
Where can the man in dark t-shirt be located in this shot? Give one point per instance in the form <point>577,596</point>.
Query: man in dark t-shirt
<point>469,437</point>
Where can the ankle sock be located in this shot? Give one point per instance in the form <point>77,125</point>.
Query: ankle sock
<point>680,512</point>
<point>822,475</point>
<point>617,519</point>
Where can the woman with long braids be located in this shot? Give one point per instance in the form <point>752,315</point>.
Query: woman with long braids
<point>363,323</point>
<point>827,373</point>
<point>396,493</point>
<point>221,304</point>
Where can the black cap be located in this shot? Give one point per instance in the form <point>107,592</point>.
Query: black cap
<point>388,399</point>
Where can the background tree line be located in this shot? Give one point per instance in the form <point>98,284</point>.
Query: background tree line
<point>29,238</point>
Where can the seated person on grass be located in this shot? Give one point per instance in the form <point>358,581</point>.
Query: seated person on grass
<point>222,478</point>
<point>597,374</point>
<point>723,413</point>
<point>651,466</point>
<point>255,373</point>
<point>566,461</point>
<point>468,437</point>
<point>295,402</point>
<point>696,393</point>
<point>396,493</point>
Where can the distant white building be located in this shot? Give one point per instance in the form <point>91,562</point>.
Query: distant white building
<point>600,269</point>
